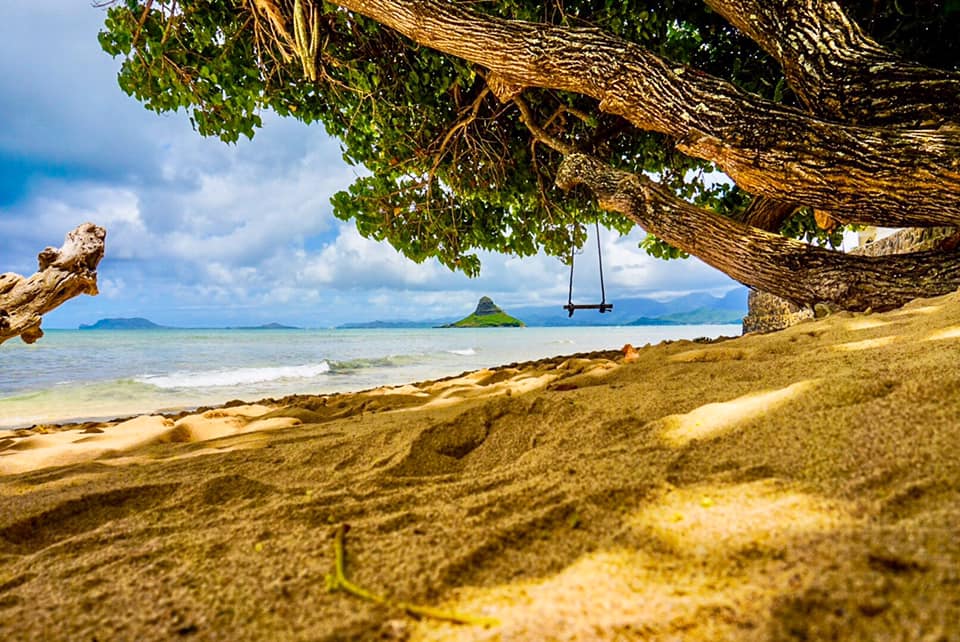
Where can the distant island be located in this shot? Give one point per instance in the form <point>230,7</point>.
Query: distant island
<point>265,326</point>
<point>487,315</point>
<point>700,316</point>
<point>653,321</point>
<point>139,323</point>
<point>384,325</point>
<point>135,323</point>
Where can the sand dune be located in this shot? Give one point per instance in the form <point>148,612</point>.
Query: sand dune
<point>802,485</point>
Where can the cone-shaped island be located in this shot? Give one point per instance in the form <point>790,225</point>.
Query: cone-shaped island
<point>487,315</point>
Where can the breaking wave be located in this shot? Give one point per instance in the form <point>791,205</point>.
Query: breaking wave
<point>466,352</point>
<point>235,376</point>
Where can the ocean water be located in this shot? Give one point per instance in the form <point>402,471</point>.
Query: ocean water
<point>72,375</point>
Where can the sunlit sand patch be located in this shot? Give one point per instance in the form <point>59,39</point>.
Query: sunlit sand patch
<point>866,344</point>
<point>469,378</point>
<point>71,446</point>
<point>514,386</point>
<point>866,324</point>
<point>65,447</point>
<point>709,519</point>
<point>715,419</point>
<point>407,389</point>
<point>924,309</point>
<point>244,441</point>
<point>143,460</point>
<point>214,424</point>
<point>527,384</point>
<point>248,410</point>
<point>946,333</point>
<point>638,594</point>
<point>610,595</point>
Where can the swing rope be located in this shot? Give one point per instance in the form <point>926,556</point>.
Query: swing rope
<point>603,306</point>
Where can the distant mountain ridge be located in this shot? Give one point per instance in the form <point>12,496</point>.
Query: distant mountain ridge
<point>380,325</point>
<point>690,309</point>
<point>139,323</point>
<point>265,326</point>
<point>134,323</point>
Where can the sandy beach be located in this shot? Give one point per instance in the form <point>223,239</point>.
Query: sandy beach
<point>802,485</point>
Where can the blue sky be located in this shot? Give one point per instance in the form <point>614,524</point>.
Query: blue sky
<point>200,233</point>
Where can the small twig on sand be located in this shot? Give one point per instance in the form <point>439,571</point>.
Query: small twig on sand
<point>337,581</point>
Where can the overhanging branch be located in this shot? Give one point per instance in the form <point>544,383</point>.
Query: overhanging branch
<point>785,267</point>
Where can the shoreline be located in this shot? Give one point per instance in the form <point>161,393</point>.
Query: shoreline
<point>797,485</point>
<point>137,374</point>
<point>236,416</point>
<point>81,422</point>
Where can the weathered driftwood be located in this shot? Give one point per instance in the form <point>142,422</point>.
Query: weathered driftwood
<point>62,275</point>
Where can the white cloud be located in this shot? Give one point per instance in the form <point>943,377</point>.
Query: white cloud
<point>111,288</point>
<point>354,262</point>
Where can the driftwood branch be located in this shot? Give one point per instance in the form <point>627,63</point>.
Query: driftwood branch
<point>63,274</point>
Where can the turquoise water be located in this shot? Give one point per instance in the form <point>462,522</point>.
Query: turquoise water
<point>73,375</point>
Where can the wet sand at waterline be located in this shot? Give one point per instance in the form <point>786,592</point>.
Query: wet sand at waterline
<point>801,485</point>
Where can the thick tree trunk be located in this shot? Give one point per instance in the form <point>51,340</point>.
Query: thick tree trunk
<point>840,74</point>
<point>63,274</point>
<point>802,273</point>
<point>839,71</point>
<point>873,175</point>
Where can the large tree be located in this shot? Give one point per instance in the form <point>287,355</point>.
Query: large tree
<point>476,122</point>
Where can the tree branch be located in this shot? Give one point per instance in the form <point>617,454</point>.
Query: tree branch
<point>872,175</point>
<point>837,70</point>
<point>538,132</point>
<point>62,275</point>
<point>839,73</point>
<point>802,273</point>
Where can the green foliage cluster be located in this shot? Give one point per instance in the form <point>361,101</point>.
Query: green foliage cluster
<point>450,170</point>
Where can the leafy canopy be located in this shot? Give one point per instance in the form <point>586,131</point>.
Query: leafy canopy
<point>451,169</point>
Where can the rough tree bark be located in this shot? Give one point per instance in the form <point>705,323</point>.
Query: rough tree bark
<point>63,274</point>
<point>766,213</point>
<point>841,74</point>
<point>839,71</point>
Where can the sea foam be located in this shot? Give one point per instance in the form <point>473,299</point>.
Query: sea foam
<point>466,352</point>
<point>234,377</point>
